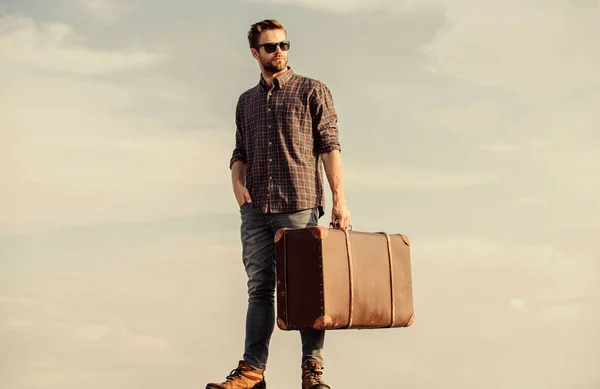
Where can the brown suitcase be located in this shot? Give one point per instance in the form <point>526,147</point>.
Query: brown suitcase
<point>331,278</point>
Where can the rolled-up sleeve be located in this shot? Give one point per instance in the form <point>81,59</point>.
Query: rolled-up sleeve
<point>324,119</point>
<point>239,151</point>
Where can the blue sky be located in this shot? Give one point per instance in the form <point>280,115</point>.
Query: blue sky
<point>472,128</point>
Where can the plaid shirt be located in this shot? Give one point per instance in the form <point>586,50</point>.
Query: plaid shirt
<point>280,135</point>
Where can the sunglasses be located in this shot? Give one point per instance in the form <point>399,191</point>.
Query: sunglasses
<point>271,47</point>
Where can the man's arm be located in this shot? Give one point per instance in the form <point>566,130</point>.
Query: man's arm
<point>332,162</point>
<point>340,215</point>
<point>238,173</point>
<point>328,146</point>
<point>237,163</point>
<point>238,180</point>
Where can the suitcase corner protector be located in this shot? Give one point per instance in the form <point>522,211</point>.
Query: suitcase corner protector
<point>323,322</point>
<point>282,326</point>
<point>279,234</point>
<point>405,239</point>
<point>319,232</point>
<point>411,320</point>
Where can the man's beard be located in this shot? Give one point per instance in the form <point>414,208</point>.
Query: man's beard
<point>273,66</point>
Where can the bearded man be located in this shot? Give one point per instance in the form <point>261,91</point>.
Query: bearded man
<point>286,129</point>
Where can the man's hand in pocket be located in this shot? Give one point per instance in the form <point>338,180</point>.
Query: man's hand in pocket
<point>242,195</point>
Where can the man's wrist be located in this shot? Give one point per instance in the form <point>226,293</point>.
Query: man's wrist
<point>339,200</point>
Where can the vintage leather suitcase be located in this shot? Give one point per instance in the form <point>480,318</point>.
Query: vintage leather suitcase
<point>331,278</point>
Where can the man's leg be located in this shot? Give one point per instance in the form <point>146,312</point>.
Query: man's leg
<point>257,254</point>
<point>312,340</point>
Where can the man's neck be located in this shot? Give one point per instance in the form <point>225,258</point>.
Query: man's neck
<point>268,77</point>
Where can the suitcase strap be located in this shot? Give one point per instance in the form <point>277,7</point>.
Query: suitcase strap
<point>351,276</point>
<point>392,294</point>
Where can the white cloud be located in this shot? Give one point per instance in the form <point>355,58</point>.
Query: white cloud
<point>17,323</point>
<point>547,276</point>
<point>103,10</point>
<point>74,154</point>
<point>593,221</point>
<point>399,177</point>
<point>13,300</point>
<point>478,117</point>
<point>41,363</point>
<point>348,6</point>
<point>536,48</point>
<point>563,312</point>
<point>73,160</point>
<point>25,42</point>
<point>558,135</point>
<point>540,49</point>
<point>93,332</point>
<point>517,304</point>
<point>499,147</point>
<point>564,138</point>
<point>143,342</point>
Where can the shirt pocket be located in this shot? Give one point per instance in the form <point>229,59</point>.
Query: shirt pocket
<point>298,127</point>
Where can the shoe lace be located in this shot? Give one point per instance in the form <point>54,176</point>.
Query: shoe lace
<point>313,372</point>
<point>235,373</point>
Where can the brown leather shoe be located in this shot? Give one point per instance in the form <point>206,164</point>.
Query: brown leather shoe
<point>243,377</point>
<point>312,376</point>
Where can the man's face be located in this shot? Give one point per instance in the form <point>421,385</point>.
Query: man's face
<point>276,61</point>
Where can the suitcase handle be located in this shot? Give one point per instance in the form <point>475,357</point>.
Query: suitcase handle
<point>332,225</point>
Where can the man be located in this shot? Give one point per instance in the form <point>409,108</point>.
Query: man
<point>286,125</point>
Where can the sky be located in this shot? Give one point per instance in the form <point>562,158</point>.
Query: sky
<point>468,126</point>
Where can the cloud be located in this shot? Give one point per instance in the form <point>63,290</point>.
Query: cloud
<point>17,323</point>
<point>462,120</point>
<point>16,301</point>
<point>543,275</point>
<point>116,169</point>
<point>350,6</point>
<point>93,332</point>
<point>88,160</point>
<point>129,340</point>
<point>517,304</point>
<point>389,177</point>
<point>539,49</point>
<point>118,313</point>
<point>491,180</point>
<point>105,11</point>
<point>499,147</point>
<point>144,342</point>
<point>25,42</point>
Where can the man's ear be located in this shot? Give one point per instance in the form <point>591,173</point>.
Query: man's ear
<point>254,53</point>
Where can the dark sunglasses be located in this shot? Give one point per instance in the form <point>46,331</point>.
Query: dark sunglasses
<point>271,47</point>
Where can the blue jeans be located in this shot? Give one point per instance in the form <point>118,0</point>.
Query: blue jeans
<point>257,234</point>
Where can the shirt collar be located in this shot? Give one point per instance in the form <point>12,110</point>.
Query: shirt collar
<point>279,81</point>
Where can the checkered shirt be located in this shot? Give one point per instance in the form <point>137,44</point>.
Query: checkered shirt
<point>280,134</point>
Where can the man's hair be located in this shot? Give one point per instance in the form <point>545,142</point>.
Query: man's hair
<point>257,28</point>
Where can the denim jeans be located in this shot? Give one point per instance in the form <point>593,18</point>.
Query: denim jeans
<point>257,234</point>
